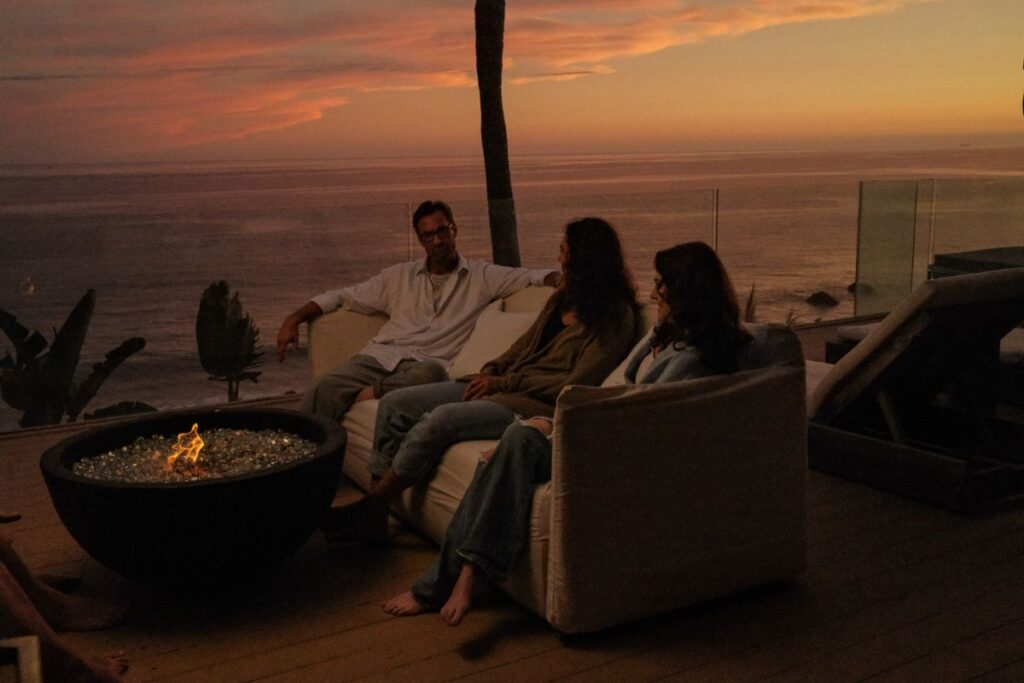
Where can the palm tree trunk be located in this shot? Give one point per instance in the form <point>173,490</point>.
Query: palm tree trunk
<point>501,208</point>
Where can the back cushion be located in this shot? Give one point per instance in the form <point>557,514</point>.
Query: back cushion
<point>527,299</point>
<point>494,332</point>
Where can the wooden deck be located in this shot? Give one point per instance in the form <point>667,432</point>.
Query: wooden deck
<point>895,591</point>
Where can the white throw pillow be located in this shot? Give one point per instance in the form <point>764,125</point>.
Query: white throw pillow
<point>494,332</point>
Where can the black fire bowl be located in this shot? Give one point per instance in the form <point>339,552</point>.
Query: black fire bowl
<point>200,532</point>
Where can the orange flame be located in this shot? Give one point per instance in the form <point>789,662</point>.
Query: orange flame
<point>189,444</point>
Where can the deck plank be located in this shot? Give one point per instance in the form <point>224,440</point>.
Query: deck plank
<point>894,590</point>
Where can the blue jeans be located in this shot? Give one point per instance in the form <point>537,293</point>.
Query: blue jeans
<point>492,523</point>
<point>416,425</point>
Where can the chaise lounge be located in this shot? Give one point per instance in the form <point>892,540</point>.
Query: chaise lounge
<point>918,406</point>
<point>661,496</point>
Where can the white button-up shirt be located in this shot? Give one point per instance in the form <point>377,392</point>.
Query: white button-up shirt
<point>416,329</point>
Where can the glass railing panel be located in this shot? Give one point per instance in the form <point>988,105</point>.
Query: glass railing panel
<point>150,243</point>
<point>646,222</point>
<point>978,224</point>
<point>149,248</point>
<point>886,233</point>
<point>788,243</point>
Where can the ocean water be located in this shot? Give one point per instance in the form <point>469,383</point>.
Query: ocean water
<point>149,238</point>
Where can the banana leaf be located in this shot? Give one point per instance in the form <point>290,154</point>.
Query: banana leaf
<point>65,352</point>
<point>100,372</point>
<point>26,346</point>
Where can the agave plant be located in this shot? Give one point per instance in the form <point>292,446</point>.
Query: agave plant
<point>42,385</point>
<point>227,338</point>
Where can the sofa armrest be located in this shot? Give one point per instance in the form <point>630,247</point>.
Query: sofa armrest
<point>337,336</point>
<point>668,494</point>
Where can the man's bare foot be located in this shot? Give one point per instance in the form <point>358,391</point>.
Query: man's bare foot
<point>67,613</point>
<point>404,605</point>
<point>361,522</point>
<point>116,662</point>
<point>461,600</point>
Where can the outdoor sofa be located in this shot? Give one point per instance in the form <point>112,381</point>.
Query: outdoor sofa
<point>661,495</point>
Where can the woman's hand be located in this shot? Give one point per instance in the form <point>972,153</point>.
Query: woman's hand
<point>541,424</point>
<point>478,387</point>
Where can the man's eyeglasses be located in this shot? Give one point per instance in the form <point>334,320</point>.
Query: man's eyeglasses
<point>444,232</point>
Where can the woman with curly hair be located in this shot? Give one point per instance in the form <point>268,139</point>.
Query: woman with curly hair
<point>697,333</point>
<point>586,328</point>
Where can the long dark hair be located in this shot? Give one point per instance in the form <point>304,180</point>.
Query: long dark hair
<point>704,312</point>
<point>598,285</point>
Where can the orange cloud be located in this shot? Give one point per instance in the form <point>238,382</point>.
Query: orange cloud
<point>148,76</point>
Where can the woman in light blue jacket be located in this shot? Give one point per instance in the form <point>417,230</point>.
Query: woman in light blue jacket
<point>697,332</point>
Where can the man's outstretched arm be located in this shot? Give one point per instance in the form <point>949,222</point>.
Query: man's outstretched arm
<point>289,332</point>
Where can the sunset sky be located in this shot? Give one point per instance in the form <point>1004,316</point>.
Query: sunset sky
<point>214,79</point>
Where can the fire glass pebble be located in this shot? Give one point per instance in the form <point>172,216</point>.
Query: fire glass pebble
<point>225,453</point>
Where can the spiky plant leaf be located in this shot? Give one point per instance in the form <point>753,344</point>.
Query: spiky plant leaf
<point>26,346</point>
<point>100,372</point>
<point>42,386</point>
<point>19,386</point>
<point>65,352</point>
<point>226,337</point>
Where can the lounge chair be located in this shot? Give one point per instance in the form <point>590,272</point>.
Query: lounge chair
<point>915,407</point>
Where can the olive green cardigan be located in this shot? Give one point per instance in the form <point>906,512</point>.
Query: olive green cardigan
<point>528,379</point>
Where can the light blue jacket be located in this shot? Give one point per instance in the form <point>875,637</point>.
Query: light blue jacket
<point>673,363</point>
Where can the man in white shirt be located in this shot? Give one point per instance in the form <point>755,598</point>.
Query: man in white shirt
<point>432,305</point>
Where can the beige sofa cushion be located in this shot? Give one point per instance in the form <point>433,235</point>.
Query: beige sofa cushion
<point>429,505</point>
<point>339,335</point>
<point>359,423</point>
<point>530,299</point>
<point>494,332</point>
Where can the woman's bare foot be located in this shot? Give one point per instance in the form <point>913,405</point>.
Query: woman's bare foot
<point>404,605</point>
<point>461,600</point>
<point>67,613</point>
<point>62,664</point>
<point>363,521</point>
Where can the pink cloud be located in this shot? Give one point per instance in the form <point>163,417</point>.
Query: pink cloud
<point>158,75</point>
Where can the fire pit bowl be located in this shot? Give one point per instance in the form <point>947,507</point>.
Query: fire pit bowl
<point>196,531</point>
